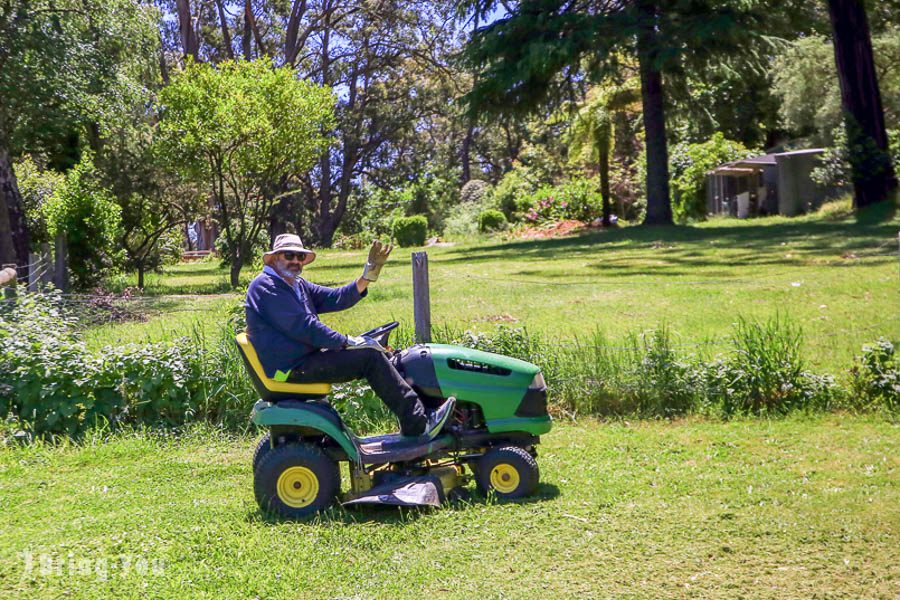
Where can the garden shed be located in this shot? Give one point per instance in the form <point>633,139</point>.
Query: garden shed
<point>778,183</point>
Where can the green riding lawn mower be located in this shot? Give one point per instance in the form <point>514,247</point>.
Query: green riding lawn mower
<point>500,413</point>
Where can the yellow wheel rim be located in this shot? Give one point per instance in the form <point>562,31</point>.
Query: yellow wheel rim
<point>298,487</point>
<point>504,478</point>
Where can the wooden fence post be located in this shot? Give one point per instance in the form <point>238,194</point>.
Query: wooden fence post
<point>46,277</point>
<point>421,297</point>
<point>60,267</point>
<point>34,271</point>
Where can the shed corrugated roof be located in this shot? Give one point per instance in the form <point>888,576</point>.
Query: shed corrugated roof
<point>755,163</point>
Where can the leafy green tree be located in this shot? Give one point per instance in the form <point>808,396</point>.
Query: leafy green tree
<point>246,132</point>
<point>86,213</point>
<point>591,133</point>
<point>533,55</point>
<point>155,202</point>
<point>804,79</point>
<point>62,62</point>
<point>691,163</point>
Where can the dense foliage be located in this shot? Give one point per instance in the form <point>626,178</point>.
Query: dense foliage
<point>690,164</point>
<point>86,214</point>
<point>410,231</point>
<point>246,131</point>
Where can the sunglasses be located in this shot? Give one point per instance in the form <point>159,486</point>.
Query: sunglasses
<point>293,256</point>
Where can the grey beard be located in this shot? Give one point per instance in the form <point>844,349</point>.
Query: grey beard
<point>287,274</point>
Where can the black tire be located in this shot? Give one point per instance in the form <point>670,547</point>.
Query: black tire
<point>295,481</point>
<point>262,448</point>
<point>508,471</point>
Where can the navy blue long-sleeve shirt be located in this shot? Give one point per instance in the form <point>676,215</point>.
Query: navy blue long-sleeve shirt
<point>283,323</point>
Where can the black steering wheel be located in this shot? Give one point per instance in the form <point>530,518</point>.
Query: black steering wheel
<point>381,333</point>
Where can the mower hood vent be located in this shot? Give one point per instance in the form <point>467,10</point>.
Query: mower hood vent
<point>477,367</point>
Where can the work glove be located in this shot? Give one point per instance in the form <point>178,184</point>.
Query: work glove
<point>378,255</point>
<point>361,342</point>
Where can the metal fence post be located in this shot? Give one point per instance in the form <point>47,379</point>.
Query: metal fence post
<point>421,297</point>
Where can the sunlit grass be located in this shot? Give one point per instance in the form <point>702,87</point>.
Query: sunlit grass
<point>794,508</point>
<point>836,279</point>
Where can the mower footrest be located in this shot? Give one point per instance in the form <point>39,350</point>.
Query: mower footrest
<point>397,448</point>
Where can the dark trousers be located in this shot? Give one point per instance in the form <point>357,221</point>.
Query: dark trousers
<point>341,366</point>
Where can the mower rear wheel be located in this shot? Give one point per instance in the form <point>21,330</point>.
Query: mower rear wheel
<point>508,471</point>
<point>295,481</point>
<point>262,448</point>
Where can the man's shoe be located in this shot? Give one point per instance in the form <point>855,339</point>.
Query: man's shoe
<point>438,418</point>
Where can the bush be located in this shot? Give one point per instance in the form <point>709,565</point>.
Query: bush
<point>512,193</point>
<point>578,199</point>
<point>875,378</point>
<point>37,187</point>
<point>87,214</point>
<point>766,374</point>
<point>491,220</point>
<point>689,165</point>
<point>410,231</point>
<point>474,191</point>
<point>55,386</point>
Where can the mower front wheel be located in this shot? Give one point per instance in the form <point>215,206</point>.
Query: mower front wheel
<point>509,471</point>
<point>295,481</point>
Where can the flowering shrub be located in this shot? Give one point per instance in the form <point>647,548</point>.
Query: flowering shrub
<point>579,199</point>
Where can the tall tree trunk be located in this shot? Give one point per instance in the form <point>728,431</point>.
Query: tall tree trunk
<point>14,240</point>
<point>604,182</point>
<point>659,206</point>
<point>465,154</point>
<point>190,42</point>
<point>867,144</point>
<point>235,271</point>
<point>226,33</point>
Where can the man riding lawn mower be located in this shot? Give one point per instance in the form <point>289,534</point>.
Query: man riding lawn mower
<point>457,407</point>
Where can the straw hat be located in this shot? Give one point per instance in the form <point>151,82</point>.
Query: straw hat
<point>288,242</point>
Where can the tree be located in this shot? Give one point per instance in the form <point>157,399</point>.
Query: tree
<point>544,47</point>
<point>804,79</point>
<point>154,201</point>
<point>591,132</point>
<point>867,142</point>
<point>59,59</point>
<point>246,131</point>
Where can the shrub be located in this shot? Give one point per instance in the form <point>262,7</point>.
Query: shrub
<point>491,220</point>
<point>474,191</point>
<point>55,386</point>
<point>875,377</point>
<point>462,219</point>
<point>37,187</point>
<point>766,375</point>
<point>410,231</point>
<point>578,199</point>
<point>87,214</point>
<point>689,165</point>
<point>512,193</point>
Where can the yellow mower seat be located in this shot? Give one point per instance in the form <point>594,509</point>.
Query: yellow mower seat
<point>269,388</point>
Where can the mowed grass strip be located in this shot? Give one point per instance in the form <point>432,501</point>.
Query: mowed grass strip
<point>794,508</point>
<point>837,280</point>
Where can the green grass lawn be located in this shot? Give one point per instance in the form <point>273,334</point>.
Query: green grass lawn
<point>837,279</point>
<point>795,508</point>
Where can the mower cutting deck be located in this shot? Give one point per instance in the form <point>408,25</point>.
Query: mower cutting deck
<point>501,410</point>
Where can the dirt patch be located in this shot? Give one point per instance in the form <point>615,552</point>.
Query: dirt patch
<point>504,318</point>
<point>558,229</point>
